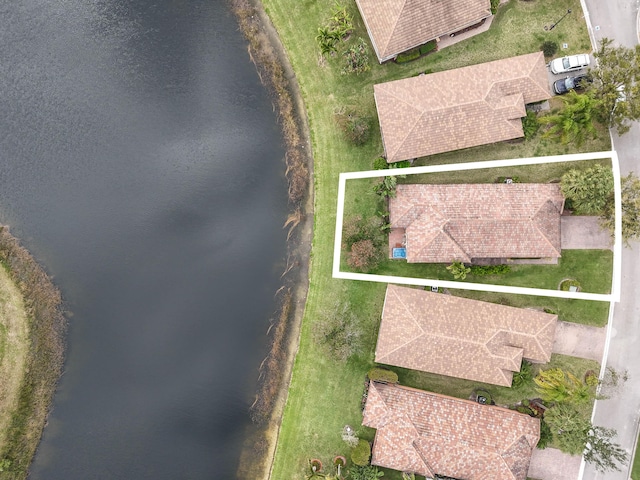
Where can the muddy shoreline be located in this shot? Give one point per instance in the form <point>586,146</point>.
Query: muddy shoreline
<point>276,74</point>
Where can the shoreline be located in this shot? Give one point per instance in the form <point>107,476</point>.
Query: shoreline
<point>269,57</point>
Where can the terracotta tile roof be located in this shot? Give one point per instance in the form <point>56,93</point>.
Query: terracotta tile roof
<point>395,26</point>
<point>459,337</point>
<point>459,108</point>
<point>464,222</point>
<point>428,434</point>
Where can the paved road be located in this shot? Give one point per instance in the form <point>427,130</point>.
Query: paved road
<point>616,19</point>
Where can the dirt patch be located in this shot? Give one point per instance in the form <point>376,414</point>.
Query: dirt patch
<point>267,53</point>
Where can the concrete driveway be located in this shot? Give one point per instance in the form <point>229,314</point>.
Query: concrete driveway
<point>583,233</point>
<point>552,464</point>
<point>580,341</point>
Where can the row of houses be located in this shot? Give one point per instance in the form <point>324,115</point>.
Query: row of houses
<point>431,434</point>
<point>424,432</point>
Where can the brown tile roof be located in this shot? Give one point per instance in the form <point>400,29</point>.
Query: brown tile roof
<point>459,108</point>
<point>395,26</point>
<point>464,222</point>
<point>428,434</point>
<point>460,337</point>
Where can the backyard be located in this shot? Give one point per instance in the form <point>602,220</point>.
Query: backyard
<point>325,392</point>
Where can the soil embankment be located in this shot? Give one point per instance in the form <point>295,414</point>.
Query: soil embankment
<point>276,74</point>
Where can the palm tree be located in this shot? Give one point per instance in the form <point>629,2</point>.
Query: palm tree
<point>574,120</point>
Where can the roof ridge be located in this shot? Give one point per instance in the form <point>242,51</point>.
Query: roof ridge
<point>420,111</point>
<point>535,226</point>
<point>395,25</point>
<point>453,240</point>
<point>404,306</point>
<point>545,86</point>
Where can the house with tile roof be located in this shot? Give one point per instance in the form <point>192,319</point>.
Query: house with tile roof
<point>460,337</point>
<point>431,434</point>
<point>476,223</point>
<point>459,108</point>
<point>395,26</point>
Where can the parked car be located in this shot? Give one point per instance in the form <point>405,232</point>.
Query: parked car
<point>569,63</point>
<point>570,83</point>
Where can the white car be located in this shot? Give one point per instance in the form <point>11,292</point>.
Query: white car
<point>569,63</point>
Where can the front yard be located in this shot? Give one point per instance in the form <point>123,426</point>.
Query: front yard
<point>325,392</point>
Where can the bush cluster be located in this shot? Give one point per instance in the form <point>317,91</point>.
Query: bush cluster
<point>357,58</point>
<point>378,374</point>
<point>428,47</point>
<point>549,48</point>
<point>364,241</point>
<point>482,270</point>
<point>408,56</point>
<point>530,124</point>
<point>355,127</point>
<point>361,453</point>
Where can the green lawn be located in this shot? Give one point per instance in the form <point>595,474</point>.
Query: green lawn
<point>635,468</point>
<point>325,394</point>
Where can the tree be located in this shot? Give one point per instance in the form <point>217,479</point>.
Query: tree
<point>630,209</point>
<point>588,190</point>
<point>556,385</point>
<point>574,120</point>
<point>338,330</point>
<point>363,255</point>
<point>616,85</point>
<point>458,270</point>
<point>568,428</point>
<point>576,435</point>
<point>601,452</point>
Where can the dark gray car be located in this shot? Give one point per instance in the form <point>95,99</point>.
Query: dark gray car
<point>570,83</point>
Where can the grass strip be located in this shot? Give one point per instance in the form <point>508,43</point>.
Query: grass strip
<point>325,393</point>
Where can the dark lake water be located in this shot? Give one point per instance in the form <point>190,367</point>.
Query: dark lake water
<point>141,163</point>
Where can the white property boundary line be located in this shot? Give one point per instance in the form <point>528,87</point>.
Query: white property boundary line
<point>614,296</point>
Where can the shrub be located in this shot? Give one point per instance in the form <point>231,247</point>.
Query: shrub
<point>361,453</point>
<point>428,47</point>
<point>524,376</point>
<point>378,374</point>
<point>408,56</point>
<point>341,21</point>
<point>365,472</point>
<point>504,179</point>
<point>549,48</point>
<point>338,330</point>
<point>349,437</point>
<point>363,255</point>
<point>355,127</point>
<point>353,230</point>
<point>530,124</point>
<point>357,58</point>
<point>458,270</point>
<point>494,6</point>
<point>545,435</point>
<point>380,163</point>
<point>482,270</point>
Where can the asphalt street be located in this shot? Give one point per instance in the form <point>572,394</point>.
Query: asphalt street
<point>617,19</point>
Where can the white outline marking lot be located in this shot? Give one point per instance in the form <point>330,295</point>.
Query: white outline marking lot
<point>614,296</point>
